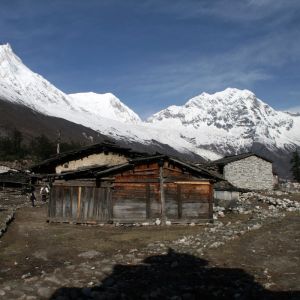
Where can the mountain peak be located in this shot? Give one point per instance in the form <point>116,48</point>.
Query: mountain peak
<point>107,105</point>
<point>9,61</point>
<point>5,48</point>
<point>230,96</point>
<point>231,110</point>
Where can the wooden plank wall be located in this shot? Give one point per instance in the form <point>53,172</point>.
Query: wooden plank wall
<point>134,197</point>
<point>80,204</point>
<point>195,201</point>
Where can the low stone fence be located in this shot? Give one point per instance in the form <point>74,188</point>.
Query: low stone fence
<point>6,216</point>
<point>292,187</point>
<point>225,198</point>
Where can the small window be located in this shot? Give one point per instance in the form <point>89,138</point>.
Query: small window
<point>66,165</point>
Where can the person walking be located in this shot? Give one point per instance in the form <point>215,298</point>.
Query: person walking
<point>32,198</point>
<point>44,192</point>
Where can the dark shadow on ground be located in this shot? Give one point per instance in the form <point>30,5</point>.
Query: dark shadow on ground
<point>174,276</point>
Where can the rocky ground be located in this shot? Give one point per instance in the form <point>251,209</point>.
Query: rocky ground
<point>250,252</point>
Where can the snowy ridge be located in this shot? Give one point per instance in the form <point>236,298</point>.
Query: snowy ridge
<point>20,85</point>
<point>226,122</point>
<point>107,105</point>
<point>236,118</point>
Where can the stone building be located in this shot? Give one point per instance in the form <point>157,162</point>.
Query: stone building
<point>246,171</point>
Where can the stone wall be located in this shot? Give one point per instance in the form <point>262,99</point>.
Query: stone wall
<point>225,198</point>
<point>251,173</point>
<point>110,159</point>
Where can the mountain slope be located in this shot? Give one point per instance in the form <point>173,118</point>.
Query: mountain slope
<point>208,126</point>
<point>32,124</point>
<point>102,113</point>
<point>20,85</point>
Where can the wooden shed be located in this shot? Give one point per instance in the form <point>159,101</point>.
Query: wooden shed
<point>138,191</point>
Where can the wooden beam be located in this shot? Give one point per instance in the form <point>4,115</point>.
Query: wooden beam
<point>205,182</point>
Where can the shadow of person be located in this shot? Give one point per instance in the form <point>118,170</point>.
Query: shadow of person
<point>174,276</point>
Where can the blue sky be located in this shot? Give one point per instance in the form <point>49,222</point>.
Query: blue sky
<point>155,53</point>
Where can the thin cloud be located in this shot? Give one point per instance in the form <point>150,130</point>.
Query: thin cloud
<point>237,11</point>
<point>243,66</point>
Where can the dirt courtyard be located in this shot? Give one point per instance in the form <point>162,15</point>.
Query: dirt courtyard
<point>31,244</point>
<point>39,260</point>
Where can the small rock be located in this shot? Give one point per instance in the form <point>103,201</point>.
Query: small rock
<point>26,275</point>
<point>216,245</point>
<point>221,214</point>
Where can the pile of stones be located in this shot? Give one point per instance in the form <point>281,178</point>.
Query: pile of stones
<point>272,202</point>
<point>250,202</point>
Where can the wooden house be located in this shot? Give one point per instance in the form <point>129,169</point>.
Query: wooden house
<point>139,190</point>
<point>14,179</point>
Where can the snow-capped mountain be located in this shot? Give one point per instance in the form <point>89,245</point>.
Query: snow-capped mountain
<point>20,85</point>
<point>211,126</point>
<point>231,118</point>
<point>101,112</point>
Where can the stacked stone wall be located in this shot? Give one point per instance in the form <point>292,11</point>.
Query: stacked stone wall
<point>110,159</point>
<point>251,173</point>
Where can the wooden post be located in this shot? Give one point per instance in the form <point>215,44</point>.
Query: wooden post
<point>211,202</point>
<point>50,204</point>
<point>79,203</point>
<point>179,201</point>
<point>148,204</point>
<point>162,193</point>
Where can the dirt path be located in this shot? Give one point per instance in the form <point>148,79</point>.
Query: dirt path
<point>62,261</point>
